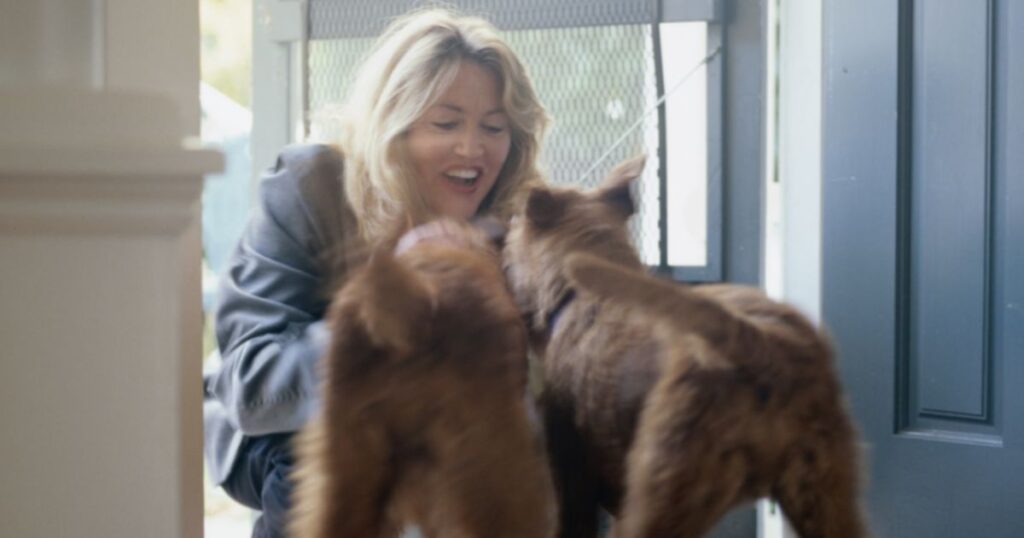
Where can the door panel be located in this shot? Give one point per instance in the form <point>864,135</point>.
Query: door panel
<point>923,256</point>
<point>950,364</point>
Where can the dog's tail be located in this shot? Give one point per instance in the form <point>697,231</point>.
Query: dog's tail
<point>674,306</point>
<point>395,303</point>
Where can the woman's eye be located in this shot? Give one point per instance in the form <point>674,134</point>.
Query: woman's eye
<point>445,125</point>
<point>494,129</point>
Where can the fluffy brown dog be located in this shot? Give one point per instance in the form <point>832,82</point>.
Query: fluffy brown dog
<point>424,418</point>
<point>726,397</point>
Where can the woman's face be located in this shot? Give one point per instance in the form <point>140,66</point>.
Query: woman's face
<point>459,145</point>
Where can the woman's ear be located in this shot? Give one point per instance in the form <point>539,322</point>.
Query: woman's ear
<point>544,208</point>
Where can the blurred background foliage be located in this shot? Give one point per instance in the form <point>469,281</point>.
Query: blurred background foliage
<point>226,73</point>
<point>226,45</point>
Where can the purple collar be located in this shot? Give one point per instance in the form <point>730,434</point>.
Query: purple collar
<point>556,313</point>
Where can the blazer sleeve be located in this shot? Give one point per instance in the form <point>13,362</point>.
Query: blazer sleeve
<point>268,318</point>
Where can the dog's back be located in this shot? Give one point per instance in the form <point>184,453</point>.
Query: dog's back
<point>424,416</point>
<point>667,405</point>
<point>746,404</point>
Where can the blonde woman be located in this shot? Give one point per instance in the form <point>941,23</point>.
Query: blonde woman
<point>442,120</point>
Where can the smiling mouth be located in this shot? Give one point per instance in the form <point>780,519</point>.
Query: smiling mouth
<point>463,179</point>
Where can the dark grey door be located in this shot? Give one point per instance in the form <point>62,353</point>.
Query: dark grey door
<point>923,256</point>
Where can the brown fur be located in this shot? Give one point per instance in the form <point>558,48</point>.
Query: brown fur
<point>726,397</point>
<point>424,419</point>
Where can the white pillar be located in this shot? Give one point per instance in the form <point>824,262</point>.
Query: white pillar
<point>794,226</point>
<point>51,42</point>
<point>100,313</point>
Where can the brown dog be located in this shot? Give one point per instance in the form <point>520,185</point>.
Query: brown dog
<point>726,397</point>
<point>424,417</point>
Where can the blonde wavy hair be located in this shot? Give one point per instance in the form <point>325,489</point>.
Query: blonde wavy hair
<point>410,66</point>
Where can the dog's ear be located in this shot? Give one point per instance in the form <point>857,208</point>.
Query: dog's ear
<point>544,207</point>
<point>397,303</point>
<point>615,190</point>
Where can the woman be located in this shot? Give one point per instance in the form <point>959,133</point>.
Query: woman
<point>442,120</point>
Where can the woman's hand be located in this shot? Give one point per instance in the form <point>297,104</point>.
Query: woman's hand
<point>453,232</point>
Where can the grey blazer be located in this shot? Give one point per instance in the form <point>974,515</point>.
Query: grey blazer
<point>270,304</point>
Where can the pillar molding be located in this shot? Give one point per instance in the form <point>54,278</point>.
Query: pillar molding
<point>100,316</point>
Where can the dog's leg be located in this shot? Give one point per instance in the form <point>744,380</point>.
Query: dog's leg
<point>680,478</point>
<point>576,488</point>
<point>360,481</point>
<point>495,485</point>
<point>340,484</point>
<point>817,491</point>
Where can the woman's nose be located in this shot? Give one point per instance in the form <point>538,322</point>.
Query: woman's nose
<point>469,145</point>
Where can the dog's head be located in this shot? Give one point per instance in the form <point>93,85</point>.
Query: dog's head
<point>394,296</point>
<point>484,234</point>
<point>555,222</point>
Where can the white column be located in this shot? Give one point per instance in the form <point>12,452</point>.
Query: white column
<point>800,92</point>
<point>794,225</point>
<point>100,313</point>
<point>53,42</point>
